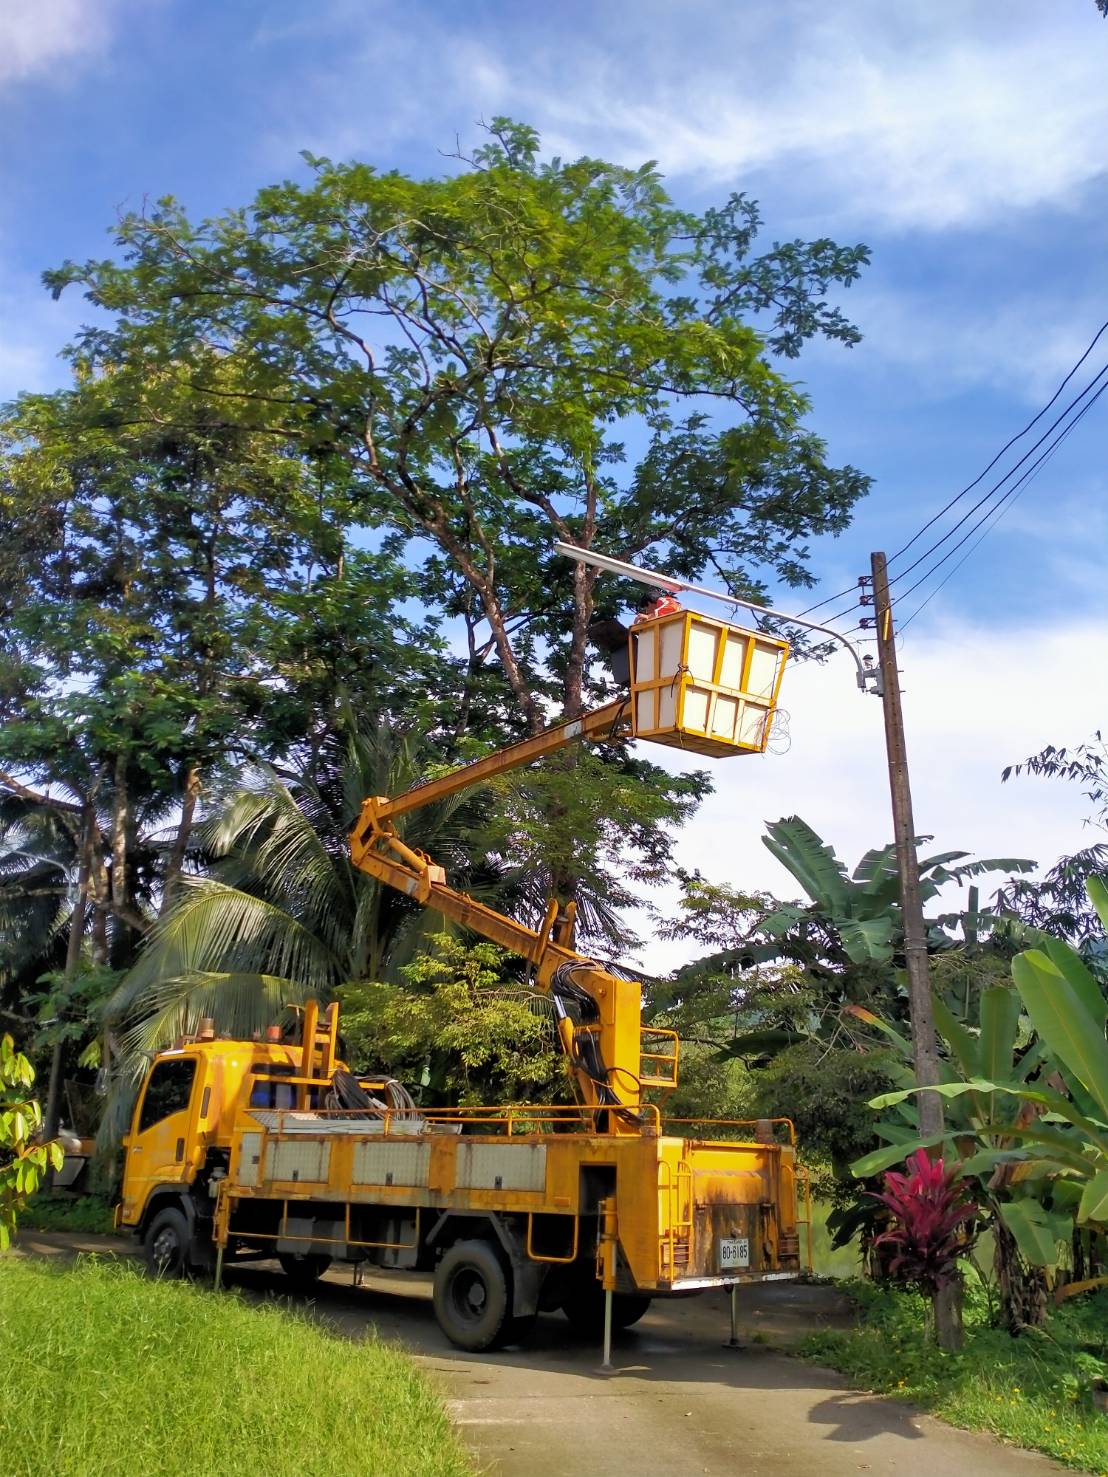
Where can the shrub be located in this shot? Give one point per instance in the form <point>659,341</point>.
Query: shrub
<point>930,1209</point>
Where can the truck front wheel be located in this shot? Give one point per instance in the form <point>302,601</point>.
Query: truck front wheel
<point>473,1296</point>
<point>166,1244</point>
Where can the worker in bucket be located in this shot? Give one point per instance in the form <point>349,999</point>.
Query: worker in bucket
<point>656,603</point>
<point>610,636</point>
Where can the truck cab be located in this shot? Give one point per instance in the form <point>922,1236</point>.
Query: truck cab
<point>178,1145</point>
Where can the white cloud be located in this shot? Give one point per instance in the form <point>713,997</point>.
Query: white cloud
<point>975,700</point>
<point>37,35</point>
<point>876,114</point>
<point>1023,346</point>
<point>878,125</point>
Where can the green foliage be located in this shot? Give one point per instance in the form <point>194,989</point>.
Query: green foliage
<point>590,816</point>
<point>1038,1111</point>
<point>71,1011</point>
<point>1058,903</point>
<point>23,1161</point>
<point>1032,1391</point>
<point>863,908</point>
<point>710,1087</point>
<point>38,857</point>
<point>91,1214</point>
<point>283,914</point>
<point>461,1026</point>
<point>824,1090</point>
<point>788,969</point>
<point>149,1373</point>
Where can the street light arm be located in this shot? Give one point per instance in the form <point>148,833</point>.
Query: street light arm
<point>668,582</point>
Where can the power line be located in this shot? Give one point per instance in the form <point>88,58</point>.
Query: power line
<point>850,590</point>
<point>904,573</point>
<point>1012,491</point>
<point>996,514</point>
<point>1007,445</point>
<point>853,589</point>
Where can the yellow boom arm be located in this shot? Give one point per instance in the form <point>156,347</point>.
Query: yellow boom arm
<point>698,683</point>
<point>599,1014</point>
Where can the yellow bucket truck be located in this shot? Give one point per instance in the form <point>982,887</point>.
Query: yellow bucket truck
<point>273,1147</point>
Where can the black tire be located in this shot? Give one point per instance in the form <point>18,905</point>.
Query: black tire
<point>166,1244</point>
<point>303,1268</point>
<point>518,1330</point>
<point>584,1307</point>
<point>473,1296</point>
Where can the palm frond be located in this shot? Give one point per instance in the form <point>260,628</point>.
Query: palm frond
<point>267,843</point>
<point>238,1003</point>
<point>215,928</point>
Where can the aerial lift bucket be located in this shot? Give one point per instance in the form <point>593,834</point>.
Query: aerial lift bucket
<point>704,685</point>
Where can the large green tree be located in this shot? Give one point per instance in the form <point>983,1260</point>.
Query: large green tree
<point>515,352</point>
<point>178,598</point>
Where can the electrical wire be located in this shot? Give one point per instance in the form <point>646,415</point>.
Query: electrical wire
<point>1007,445</point>
<point>853,589</point>
<point>904,573</point>
<point>850,590</point>
<point>996,514</point>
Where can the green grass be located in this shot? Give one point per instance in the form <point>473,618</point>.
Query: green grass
<point>46,1212</point>
<point>1032,1391</point>
<point>107,1372</point>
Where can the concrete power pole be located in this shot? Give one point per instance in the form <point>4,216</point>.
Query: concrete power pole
<point>924,1047</point>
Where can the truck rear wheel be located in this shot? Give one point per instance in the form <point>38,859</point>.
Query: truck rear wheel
<point>473,1297</point>
<point>303,1269</point>
<point>584,1307</point>
<point>166,1244</point>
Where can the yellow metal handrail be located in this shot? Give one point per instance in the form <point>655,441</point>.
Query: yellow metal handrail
<point>674,1223</point>
<point>477,1116</point>
<point>739,1123</point>
<point>555,1260</point>
<point>669,1058</point>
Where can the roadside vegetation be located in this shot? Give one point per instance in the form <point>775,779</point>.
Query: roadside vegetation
<point>205,671</point>
<point>108,1372</point>
<point>91,1214</point>
<point>1034,1391</point>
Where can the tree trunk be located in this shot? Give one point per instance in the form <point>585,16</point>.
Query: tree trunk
<point>1022,1289</point>
<point>947,1313</point>
<point>180,841</point>
<point>574,693</point>
<point>120,812</point>
<point>72,964</point>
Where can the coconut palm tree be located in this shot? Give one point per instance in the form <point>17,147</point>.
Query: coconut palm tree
<point>38,865</point>
<point>281,913</point>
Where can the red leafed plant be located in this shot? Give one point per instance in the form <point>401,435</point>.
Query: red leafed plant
<point>929,1207</point>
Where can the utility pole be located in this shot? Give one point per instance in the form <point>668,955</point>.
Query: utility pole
<point>924,1048</point>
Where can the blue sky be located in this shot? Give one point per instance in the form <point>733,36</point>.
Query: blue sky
<point>963,140</point>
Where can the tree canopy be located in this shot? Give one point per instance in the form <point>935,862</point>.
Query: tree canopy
<point>515,352</point>
<point>310,471</point>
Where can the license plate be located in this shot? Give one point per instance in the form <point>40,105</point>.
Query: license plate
<point>734,1252</point>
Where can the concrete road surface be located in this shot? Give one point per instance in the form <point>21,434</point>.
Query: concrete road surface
<point>676,1402</point>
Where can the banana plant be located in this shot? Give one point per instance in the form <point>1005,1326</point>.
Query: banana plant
<point>863,907</point>
<point>1051,1152</point>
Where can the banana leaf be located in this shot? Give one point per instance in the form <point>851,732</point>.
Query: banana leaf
<point>1037,1230</point>
<point>1064,1022</point>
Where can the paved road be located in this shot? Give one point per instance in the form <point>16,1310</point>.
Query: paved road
<point>677,1401</point>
